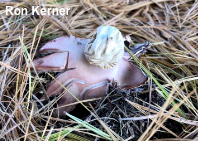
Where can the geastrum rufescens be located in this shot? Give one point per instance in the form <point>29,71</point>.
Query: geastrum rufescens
<point>90,65</point>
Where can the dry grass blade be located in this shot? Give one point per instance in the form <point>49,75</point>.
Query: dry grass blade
<point>109,131</point>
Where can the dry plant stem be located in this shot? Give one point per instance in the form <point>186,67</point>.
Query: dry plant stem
<point>146,134</point>
<point>160,120</point>
<point>17,83</point>
<point>141,110</point>
<point>130,120</point>
<point>105,127</point>
<point>179,119</point>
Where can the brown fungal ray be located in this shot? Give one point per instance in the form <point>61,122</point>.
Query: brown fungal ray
<point>137,49</point>
<point>52,62</point>
<point>86,81</point>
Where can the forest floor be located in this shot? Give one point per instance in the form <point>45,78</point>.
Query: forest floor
<point>164,108</point>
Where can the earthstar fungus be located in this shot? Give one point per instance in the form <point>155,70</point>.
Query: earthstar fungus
<point>85,75</point>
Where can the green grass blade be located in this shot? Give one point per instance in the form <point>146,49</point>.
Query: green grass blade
<point>163,92</point>
<point>90,127</point>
